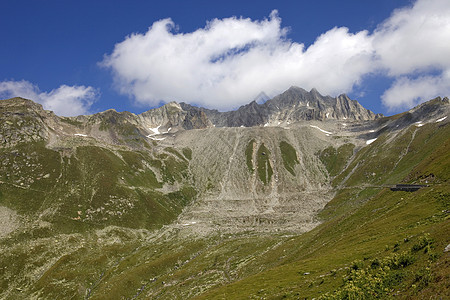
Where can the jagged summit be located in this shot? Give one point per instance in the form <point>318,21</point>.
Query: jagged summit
<point>295,104</point>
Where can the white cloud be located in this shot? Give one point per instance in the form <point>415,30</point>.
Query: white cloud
<point>64,101</point>
<point>230,61</point>
<point>415,38</point>
<point>406,92</point>
<point>415,43</point>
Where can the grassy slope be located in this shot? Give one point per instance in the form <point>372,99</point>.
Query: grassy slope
<point>374,224</point>
<point>335,159</point>
<point>94,184</point>
<point>60,249</point>
<point>289,156</point>
<point>249,155</point>
<point>361,224</point>
<point>265,171</point>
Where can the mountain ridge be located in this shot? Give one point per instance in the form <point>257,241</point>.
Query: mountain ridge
<point>166,205</point>
<point>295,104</point>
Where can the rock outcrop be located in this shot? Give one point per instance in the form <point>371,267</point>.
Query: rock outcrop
<point>295,104</point>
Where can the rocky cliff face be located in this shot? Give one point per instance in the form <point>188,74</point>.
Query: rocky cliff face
<point>173,116</point>
<point>23,121</point>
<point>153,123</point>
<point>293,105</point>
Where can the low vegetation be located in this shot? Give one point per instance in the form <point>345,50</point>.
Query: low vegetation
<point>336,159</point>
<point>289,157</point>
<point>249,155</point>
<point>265,171</point>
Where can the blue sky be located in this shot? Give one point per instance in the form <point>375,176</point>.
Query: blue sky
<point>78,57</point>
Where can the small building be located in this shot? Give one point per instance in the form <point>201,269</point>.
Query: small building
<point>407,187</point>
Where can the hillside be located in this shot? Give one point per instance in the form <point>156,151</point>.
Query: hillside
<point>177,203</point>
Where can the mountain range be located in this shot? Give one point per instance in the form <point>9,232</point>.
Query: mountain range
<point>289,197</point>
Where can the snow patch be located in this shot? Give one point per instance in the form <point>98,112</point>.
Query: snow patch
<point>155,130</point>
<point>155,139</point>
<point>368,142</point>
<point>307,104</point>
<point>419,124</point>
<point>372,130</point>
<point>327,132</point>
<point>327,115</point>
<point>80,134</point>
<point>441,119</point>
<point>189,223</point>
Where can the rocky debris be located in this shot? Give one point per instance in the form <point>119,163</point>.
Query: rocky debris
<point>9,221</point>
<point>233,199</point>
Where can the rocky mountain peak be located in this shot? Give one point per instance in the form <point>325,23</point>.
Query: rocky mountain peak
<point>21,103</point>
<point>293,105</point>
<point>315,92</point>
<point>172,105</point>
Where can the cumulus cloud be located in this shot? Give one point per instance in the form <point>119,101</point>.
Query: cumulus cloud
<point>413,45</point>
<point>230,61</point>
<point>415,38</point>
<point>407,92</point>
<point>64,101</point>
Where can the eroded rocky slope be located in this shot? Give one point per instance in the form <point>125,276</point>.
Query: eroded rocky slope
<point>165,204</point>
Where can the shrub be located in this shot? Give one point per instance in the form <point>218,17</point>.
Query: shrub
<point>423,243</point>
<point>375,263</point>
<point>357,265</point>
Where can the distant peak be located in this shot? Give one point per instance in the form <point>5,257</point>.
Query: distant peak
<point>174,104</point>
<point>253,103</point>
<point>298,89</point>
<point>315,92</point>
<point>261,98</point>
<point>343,96</point>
